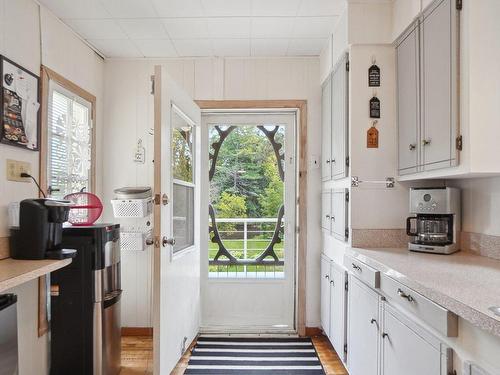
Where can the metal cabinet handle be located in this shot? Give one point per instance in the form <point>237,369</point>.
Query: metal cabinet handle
<point>332,217</point>
<point>327,216</point>
<point>327,277</point>
<point>426,142</point>
<point>334,161</point>
<point>384,335</point>
<point>356,267</point>
<point>328,161</point>
<point>150,241</point>
<point>332,282</point>
<point>373,321</point>
<point>412,146</point>
<point>405,296</point>
<point>168,241</point>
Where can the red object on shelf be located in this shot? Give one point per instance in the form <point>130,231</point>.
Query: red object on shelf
<point>86,209</point>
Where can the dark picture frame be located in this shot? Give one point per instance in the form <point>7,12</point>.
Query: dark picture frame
<point>19,110</point>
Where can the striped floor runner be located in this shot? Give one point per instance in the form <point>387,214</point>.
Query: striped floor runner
<point>249,356</point>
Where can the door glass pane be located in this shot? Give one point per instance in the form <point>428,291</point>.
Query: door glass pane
<point>247,201</point>
<point>182,148</point>
<point>183,216</point>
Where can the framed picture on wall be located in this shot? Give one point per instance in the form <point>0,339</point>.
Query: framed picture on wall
<point>19,113</point>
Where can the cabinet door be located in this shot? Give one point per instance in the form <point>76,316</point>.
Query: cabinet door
<point>338,306</point>
<point>325,295</point>
<point>339,214</point>
<point>326,128</point>
<point>406,352</point>
<point>408,102</point>
<point>362,329</point>
<point>340,119</point>
<point>326,210</point>
<point>437,57</point>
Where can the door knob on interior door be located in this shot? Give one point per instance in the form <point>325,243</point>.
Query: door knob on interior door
<point>168,241</point>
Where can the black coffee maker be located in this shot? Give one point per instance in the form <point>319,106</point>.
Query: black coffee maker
<point>39,234</point>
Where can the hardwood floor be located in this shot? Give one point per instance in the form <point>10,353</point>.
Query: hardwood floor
<point>137,356</point>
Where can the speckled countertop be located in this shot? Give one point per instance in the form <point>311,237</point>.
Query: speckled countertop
<point>463,283</point>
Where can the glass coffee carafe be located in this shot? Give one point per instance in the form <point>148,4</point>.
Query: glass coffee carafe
<point>431,229</point>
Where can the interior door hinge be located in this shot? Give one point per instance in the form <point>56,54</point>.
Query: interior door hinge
<point>347,65</point>
<point>345,348</point>
<point>152,85</point>
<point>459,144</point>
<point>347,196</point>
<point>459,4</point>
<point>346,233</point>
<point>346,286</point>
<point>347,161</point>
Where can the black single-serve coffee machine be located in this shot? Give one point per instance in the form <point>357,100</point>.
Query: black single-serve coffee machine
<point>39,234</point>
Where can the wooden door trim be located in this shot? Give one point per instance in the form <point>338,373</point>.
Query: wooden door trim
<point>301,106</point>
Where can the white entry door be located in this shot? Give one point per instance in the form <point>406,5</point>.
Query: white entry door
<point>248,257</point>
<point>176,280</point>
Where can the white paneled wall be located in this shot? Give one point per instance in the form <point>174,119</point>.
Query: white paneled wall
<point>129,111</point>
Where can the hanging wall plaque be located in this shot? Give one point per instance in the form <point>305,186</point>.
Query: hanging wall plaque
<point>374,76</point>
<point>374,107</point>
<point>372,137</point>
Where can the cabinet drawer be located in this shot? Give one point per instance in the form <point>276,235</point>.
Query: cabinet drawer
<point>362,271</point>
<point>443,320</point>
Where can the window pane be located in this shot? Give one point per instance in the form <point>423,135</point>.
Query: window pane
<point>182,148</point>
<point>183,211</point>
<point>69,142</point>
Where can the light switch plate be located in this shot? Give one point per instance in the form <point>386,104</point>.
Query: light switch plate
<point>15,168</point>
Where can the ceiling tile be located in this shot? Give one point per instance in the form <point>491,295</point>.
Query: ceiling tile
<point>178,8</point>
<point>129,8</point>
<point>275,7</point>
<point>226,28</point>
<point>97,29</point>
<point>193,47</point>
<point>156,47</point>
<point>214,8</point>
<point>269,47</point>
<point>272,27</point>
<point>76,9</point>
<point>231,47</point>
<point>186,28</point>
<point>145,28</point>
<point>306,47</point>
<point>321,7</point>
<point>116,47</point>
<point>313,27</point>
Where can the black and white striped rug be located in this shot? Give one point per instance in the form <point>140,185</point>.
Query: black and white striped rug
<point>249,356</point>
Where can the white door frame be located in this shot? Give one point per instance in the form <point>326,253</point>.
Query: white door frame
<point>281,315</point>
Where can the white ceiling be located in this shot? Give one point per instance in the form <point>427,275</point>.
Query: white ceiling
<point>185,28</point>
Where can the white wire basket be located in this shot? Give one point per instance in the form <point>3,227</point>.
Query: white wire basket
<point>132,207</point>
<point>134,241</point>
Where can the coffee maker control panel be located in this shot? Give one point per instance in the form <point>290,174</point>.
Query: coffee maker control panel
<point>443,201</point>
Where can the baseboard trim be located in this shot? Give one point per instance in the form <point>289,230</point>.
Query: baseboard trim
<point>137,331</point>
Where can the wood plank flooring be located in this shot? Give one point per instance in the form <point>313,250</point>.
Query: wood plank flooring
<point>137,357</point>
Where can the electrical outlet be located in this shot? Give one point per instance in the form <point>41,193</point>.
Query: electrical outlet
<point>15,168</point>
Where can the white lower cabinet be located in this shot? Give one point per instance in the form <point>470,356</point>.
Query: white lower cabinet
<point>410,350</point>
<point>338,308</point>
<point>383,339</point>
<point>325,295</point>
<point>363,325</point>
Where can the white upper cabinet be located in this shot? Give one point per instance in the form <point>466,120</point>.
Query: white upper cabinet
<point>408,97</point>
<point>326,210</point>
<point>438,78</point>
<point>326,126</point>
<point>334,119</point>
<point>427,91</point>
<point>340,110</point>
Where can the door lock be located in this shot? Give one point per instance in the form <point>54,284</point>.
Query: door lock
<point>168,241</point>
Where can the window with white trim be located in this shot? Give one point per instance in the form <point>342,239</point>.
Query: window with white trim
<point>69,148</point>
